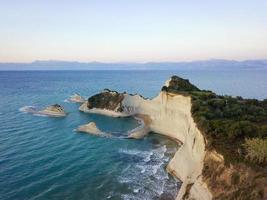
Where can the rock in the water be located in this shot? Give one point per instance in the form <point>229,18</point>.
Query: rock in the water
<point>76,98</point>
<point>90,128</point>
<point>109,100</point>
<point>55,110</point>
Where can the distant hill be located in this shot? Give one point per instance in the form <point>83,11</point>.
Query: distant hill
<point>214,64</point>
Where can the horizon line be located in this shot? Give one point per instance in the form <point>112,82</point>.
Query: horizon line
<point>135,62</point>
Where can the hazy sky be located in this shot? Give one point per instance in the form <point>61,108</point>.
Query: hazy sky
<point>132,30</point>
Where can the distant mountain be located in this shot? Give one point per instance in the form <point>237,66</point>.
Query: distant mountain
<point>214,64</point>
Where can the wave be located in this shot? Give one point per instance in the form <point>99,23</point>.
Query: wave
<point>143,154</point>
<point>40,115</point>
<point>150,169</point>
<point>32,110</point>
<point>66,101</point>
<point>28,109</point>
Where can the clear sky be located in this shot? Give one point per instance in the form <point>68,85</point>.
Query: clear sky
<point>132,30</point>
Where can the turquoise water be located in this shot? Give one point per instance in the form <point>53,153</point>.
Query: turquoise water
<point>43,158</point>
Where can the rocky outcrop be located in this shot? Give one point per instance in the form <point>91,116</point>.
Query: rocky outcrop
<point>170,115</point>
<point>55,110</point>
<point>179,84</point>
<point>91,128</point>
<point>106,102</point>
<point>109,100</point>
<point>76,98</point>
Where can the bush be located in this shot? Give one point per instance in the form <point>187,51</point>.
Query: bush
<point>225,120</point>
<point>242,129</point>
<point>216,103</point>
<point>263,131</point>
<point>256,150</point>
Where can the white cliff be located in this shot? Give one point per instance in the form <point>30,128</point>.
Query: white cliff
<point>170,115</point>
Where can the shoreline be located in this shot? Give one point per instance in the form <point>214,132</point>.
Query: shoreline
<point>171,116</point>
<point>145,122</point>
<point>143,129</point>
<point>105,112</point>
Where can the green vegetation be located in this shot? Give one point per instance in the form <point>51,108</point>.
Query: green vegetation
<point>227,121</point>
<point>256,149</point>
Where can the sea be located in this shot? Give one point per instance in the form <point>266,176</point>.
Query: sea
<point>44,158</point>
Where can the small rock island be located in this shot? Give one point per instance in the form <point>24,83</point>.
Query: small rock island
<point>55,110</point>
<point>90,128</point>
<point>76,98</point>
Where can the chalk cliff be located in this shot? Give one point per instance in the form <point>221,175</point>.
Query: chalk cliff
<point>170,115</point>
<point>202,169</point>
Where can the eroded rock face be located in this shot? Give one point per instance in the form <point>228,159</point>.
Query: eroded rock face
<point>109,100</point>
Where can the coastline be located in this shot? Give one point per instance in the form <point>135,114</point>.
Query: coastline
<point>106,112</point>
<point>170,115</point>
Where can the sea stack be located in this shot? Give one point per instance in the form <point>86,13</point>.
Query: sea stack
<point>76,98</point>
<point>55,110</point>
<point>91,128</point>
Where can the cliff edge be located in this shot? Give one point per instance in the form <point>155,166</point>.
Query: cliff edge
<point>199,163</point>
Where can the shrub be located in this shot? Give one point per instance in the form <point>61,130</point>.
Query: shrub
<point>235,178</point>
<point>242,129</point>
<point>256,150</point>
<point>216,103</point>
<point>263,131</point>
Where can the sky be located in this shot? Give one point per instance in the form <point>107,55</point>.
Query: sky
<point>132,30</point>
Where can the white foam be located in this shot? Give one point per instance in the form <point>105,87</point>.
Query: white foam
<point>40,115</point>
<point>143,154</point>
<point>142,167</point>
<point>148,157</point>
<point>136,190</point>
<point>160,152</point>
<point>27,109</point>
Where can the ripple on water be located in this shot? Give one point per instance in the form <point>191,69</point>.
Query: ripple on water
<point>42,158</point>
<point>147,178</point>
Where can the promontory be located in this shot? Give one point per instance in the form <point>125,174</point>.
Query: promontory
<point>224,146</point>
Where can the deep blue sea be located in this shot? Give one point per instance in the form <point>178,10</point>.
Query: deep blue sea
<point>43,158</point>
